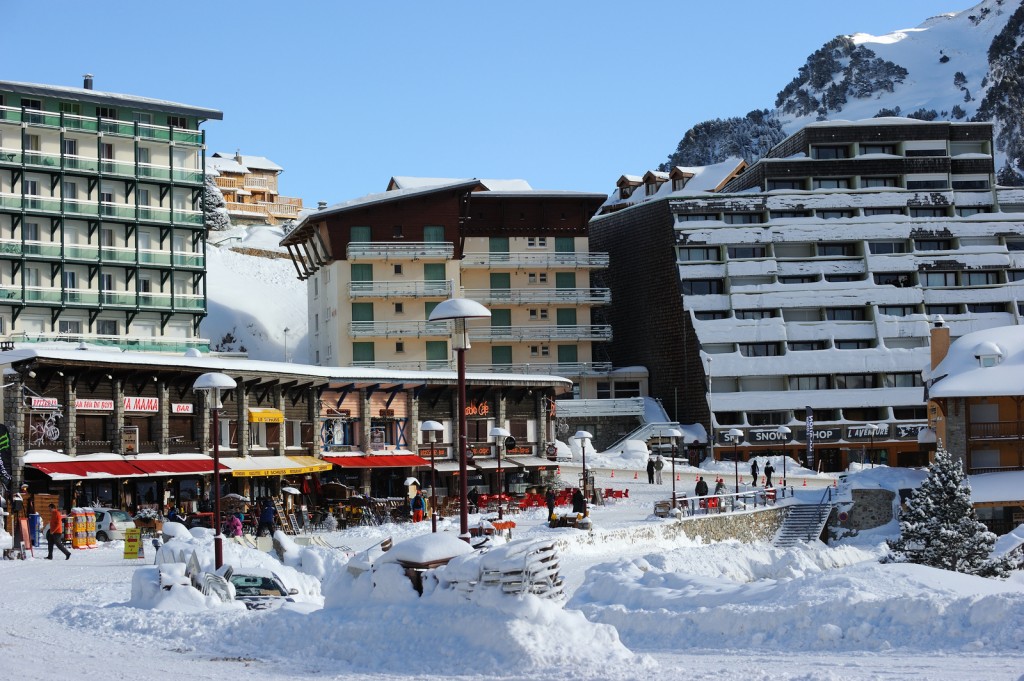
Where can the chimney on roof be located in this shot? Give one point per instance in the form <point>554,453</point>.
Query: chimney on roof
<point>940,341</point>
<point>320,205</point>
<point>88,81</point>
<point>238,156</point>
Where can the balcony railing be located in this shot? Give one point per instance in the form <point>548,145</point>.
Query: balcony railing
<point>40,204</point>
<point>535,260</point>
<point>546,368</point>
<point>424,365</point>
<point>526,296</point>
<point>400,289</point>
<point>142,343</point>
<point>393,250</point>
<point>580,332</point>
<point>415,329</point>
<point>997,430</point>
<point>52,119</point>
<point>256,182</point>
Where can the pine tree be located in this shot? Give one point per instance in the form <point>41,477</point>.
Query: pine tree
<point>940,528</point>
<point>214,212</point>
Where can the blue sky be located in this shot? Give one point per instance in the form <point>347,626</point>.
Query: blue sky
<point>565,94</point>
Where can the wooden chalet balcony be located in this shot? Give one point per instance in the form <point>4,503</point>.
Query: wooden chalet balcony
<point>400,289</point>
<point>400,250</point>
<point>229,182</point>
<point>997,430</point>
<point>546,332</point>
<point>257,182</point>
<point>539,296</point>
<point>501,261</point>
<point>264,209</point>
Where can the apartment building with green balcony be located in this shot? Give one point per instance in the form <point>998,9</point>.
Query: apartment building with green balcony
<point>102,237</point>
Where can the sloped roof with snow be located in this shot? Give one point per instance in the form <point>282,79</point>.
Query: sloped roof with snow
<point>252,162</point>
<point>961,373</point>
<point>225,164</point>
<point>406,182</point>
<point>101,97</point>
<point>705,179</point>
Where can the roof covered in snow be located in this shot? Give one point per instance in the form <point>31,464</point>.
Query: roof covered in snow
<point>962,373</point>
<point>117,99</point>
<point>251,162</point>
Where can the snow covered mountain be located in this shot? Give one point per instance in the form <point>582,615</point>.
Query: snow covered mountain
<point>958,66</point>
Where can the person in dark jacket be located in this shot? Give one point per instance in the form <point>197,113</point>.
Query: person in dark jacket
<point>473,496</point>
<point>719,486</point>
<point>650,470</point>
<point>579,504</point>
<point>417,505</point>
<point>702,487</point>
<point>549,498</point>
<point>768,470</point>
<point>266,519</point>
<point>753,471</point>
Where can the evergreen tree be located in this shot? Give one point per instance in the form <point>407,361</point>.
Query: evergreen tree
<point>940,528</point>
<point>214,212</point>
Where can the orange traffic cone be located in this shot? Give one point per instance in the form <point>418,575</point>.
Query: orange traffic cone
<point>634,475</point>
<point>613,472</point>
<point>677,477</point>
<point>696,478</point>
<point>805,482</point>
<point>835,482</point>
<point>762,479</point>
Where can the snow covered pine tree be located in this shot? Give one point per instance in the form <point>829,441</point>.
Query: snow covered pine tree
<point>215,212</point>
<point>939,527</point>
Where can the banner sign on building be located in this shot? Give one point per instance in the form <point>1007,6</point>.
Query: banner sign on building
<point>94,405</point>
<point>181,408</point>
<point>864,433</point>
<point>809,414</point>
<point>151,404</point>
<point>44,403</point>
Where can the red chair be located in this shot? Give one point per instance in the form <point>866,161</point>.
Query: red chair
<point>713,502</point>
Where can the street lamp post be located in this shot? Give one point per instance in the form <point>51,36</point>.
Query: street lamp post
<point>736,435</point>
<point>872,428</point>
<point>672,433</point>
<point>212,384</point>
<point>497,432</point>
<point>583,436</point>
<point>286,330</point>
<point>459,310</point>
<point>431,427</point>
<point>785,433</point>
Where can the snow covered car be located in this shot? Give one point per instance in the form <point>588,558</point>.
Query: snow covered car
<point>111,523</point>
<point>261,589</point>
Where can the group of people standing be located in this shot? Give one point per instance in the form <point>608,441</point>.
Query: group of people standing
<point>654,466</point>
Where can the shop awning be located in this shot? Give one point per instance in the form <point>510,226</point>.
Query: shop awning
<point>171,464</point>
<point>265,415</point>
<point>88,470</point>
<point>534,462</point>
<point>448,466</point>
<point>260,466</point>
<point>381,461</point>
<point>492,464</point>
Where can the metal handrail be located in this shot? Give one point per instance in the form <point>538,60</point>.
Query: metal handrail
<point>718,503</point>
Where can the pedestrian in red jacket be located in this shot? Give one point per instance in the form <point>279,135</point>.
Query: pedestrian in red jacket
<point>55,534</point>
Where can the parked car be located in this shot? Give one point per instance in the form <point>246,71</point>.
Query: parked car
<point>111,523</point>
<point>261,589</point>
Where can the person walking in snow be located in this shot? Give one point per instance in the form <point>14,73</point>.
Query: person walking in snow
<point>579,504</point>
<point>753,471</point>
<point>549,499</point>
<point>418,505</point>
<point>650,469</point>
<point>701,490</point>
<point>659,463</point>
<point>719,486</point>
<point>768,470</point>
<point>55,535</point>
<point>266,519</point>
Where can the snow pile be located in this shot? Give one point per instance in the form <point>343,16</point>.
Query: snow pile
<point>631,455</point>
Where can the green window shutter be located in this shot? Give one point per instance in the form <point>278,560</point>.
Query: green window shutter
<point>362,352</point>
<point>497,244</point>
<point>428,308</point>
<point>359,233</point>
<point>567,354</point>
<point>565,280</point>
<point>565,244</point>
<point>565,316</point>
<point>433,233</point>
<point>362,272</point>
<point>362,312</point>
<point>501,354</point>
<point>434,271</point>
<point>501,317</point>
<point>501,280</point>
<point>437,351</point>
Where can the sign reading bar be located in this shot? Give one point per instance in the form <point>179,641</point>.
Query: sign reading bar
<point>181,408</point>
<point>481,450</point>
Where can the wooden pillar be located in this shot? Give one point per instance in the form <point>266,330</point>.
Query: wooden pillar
<point>70,419</point>
<point>163,419</point>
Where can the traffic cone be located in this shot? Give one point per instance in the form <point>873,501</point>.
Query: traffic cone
<point>805,482</point>
<point>835,482</point>
<point>613,472</point>
<point>635,474</point>
<point>762,480</point>
<point>677,477</point>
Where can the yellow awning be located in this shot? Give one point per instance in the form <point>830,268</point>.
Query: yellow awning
<point>260,466</point>
<point>311,464</point>
<point>265,415</point>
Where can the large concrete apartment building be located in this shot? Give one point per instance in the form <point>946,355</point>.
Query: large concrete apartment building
<point>810,280</point>
<point>102,237</point>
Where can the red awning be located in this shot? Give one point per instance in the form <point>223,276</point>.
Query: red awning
<point>176,466</point>
<point>384,461</point>
<point>81,470</point>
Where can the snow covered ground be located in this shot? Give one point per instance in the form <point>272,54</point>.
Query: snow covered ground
<point>641,605</point>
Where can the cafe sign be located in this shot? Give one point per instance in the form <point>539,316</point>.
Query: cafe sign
<point>181,408</point>
<point>44,403</point>
<point>150,404</point>
<point>520,450</point>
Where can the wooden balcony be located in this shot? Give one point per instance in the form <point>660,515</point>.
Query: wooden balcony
<point>997,430</point>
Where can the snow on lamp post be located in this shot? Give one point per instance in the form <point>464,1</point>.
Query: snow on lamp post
<point>735,434</point>
<point>430,428</point>
<point>672,434</point>
<point>459,310</point>
<point>496,433</point>
<point>872,428</point>
<point>784,433</point>
<point>583,436</point>
<point>212,384</point>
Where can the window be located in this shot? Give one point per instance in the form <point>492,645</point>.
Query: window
<point>743,218</point>
<point>537,278</point>
<point>985,308</point>
<point>362,272</point>
<point>799,279</point>
<point>903,380</point>
<point>870,182</point>
<point>70,326</point>
<point>837,250</point>
<point>399,308</point>
<point>965,184</point>
<point>927,184</point>
<point>938,279</point>
<point>32,104</point>
<point>31,231</point>
<point>537,242</point>
<point>912,413</point>
<point>437,353</point>
<point>933,244</point>
<point>540,351</point>
<point>604,391</point>
<point>362,352</point>
<point>887,247</point>
<point>877,149</point>
<point>31,277</point>
<point>870,212</point>
<point>927,212</point>
<point>142,117</point>
<point>846,314</point>
<point>568,354</point>
<point>988,278</point>
<point>935,151</point>
<point>177,121</point>
<point>396,232</point>
<point>855,381</point>
<point>760,349</point>
<point>501,355</point>
<point>106,112</point>
<point>972,210</point>
<point>830,152</point>
<point>70,108</point>
<point>700,287</point>
<point>898,279</point>
<point>755,314</point>
<point>679,183</point>
<point>69,190</point>
<point>738,252</point>
<point>941,309</point>
<point>696,217</point>
<point>399,347</point>
<point>842,278</point>
<point>853,344</point>
<point>897,310</point>
<point>145,285</point>
<point>70,147</point>
<point>538,313</point>
<point>693,254</point>
<point>106,327</point>
<point>784,184</point>
<point>810,382</point>
<point>1014,275</point>
<point>831,183</point>
<point>433,233</point>
<point>708,315</point>
<point>804,346</point>
<point>835,214</point>
<point>106,282</point>
<point>398,268</point>
<point>779,214</point>
<point>359,234</point>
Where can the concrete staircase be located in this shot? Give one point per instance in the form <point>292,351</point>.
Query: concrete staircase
<point>804,522</point>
